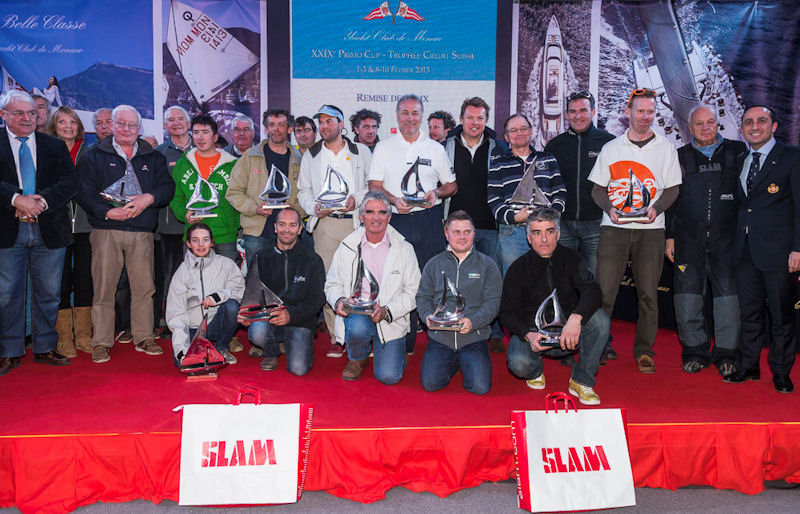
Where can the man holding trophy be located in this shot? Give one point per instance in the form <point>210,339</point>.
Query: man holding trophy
<point>123,184</point>
<point>553,281</point>
<point>636,178</point>
<point>372,283</point>
<point>458,297</point>
<point>201,179</point>
<point>331,185</point>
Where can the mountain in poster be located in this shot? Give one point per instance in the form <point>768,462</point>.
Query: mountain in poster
<point>108,85</point>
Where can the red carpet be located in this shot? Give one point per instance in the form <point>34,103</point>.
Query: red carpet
<point>107,432</point>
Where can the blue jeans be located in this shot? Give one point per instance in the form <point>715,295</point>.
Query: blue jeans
<point>440,363</point>
<point>299,344</point>
<point>390,357</point>
<point>229,250</point>
<point>582,236</point>
<point>526,364</point>
<point>486,242</point>
<point>512,243</point>
<point>253,245</point>
<point>45,265</point>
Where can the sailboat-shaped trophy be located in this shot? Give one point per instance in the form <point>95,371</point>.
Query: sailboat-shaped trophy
<point>203,206</point>
<point>448,315</point>
<point>528,193</point>
<point>334,192</point>
<point>628,211</point>
<point>411,187</point>
<point>202,358</point>
<point>259,303</point>
<point>123,190</point>
<point>277,191</point>
<point>550,329</point>
<point>363,299</point>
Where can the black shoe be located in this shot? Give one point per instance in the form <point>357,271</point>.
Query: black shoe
<point>783,384</point>
<point>692,366</point>
<point>52,357</point>
<point>610,352</point>
<point>742,375</point>
<point>7,364</point>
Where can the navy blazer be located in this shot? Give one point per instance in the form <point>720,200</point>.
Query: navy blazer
<point>56,182</point>
<point>770,215</point>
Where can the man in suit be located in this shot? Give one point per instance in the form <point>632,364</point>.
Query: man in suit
<point>37,179</point>
<point>767,250</point>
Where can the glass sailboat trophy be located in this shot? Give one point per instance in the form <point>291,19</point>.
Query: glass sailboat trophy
<point>550,329</point>
<point>334,191</point>
<point>259,303</point>
<point>277,191</point>
<point>635,213</point>
<point>444,318</point>
<point>528,193</point>
<point>202,206</point>
<point>201,358</point>
<point>358,303</point>
<point>123,190</point>
<point>411,187</point>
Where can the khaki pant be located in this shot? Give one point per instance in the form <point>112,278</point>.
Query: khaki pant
<point>328,235</point>
<point>111,250</point>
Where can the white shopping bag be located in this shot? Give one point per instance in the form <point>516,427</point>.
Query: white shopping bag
<point>571,460</point>
<point>244,453</point>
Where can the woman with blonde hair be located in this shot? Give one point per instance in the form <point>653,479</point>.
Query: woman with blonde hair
<point>74,321</point>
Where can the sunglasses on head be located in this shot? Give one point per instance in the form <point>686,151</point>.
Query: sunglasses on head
<point>580,95</point>
<point>647,93</point>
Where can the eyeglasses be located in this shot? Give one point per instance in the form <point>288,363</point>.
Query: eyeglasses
<point>647,93</point>
<point>125,125</point>
<point>521,130</point>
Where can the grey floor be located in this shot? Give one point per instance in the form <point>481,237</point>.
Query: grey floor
<point>492,498</point>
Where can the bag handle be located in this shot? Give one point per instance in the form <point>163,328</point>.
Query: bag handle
<point>553,398</point>
<point>249,389</point>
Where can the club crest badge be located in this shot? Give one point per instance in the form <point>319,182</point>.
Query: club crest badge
<point>773,188</point>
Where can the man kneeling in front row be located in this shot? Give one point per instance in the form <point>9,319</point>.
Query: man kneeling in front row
<point>205,283</point>
<point>528,282</point>
<point>477,278</point>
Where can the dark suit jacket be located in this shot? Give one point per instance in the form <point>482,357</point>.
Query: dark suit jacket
<point>772,211</point>
<point>56,181</point>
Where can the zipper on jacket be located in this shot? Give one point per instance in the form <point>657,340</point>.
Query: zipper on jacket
<point>202,286</point>
<point>578,183</point>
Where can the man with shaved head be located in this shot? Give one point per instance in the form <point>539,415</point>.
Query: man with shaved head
<point>701,229</point>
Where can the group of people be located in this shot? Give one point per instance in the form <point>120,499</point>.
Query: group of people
<point>725,214</point>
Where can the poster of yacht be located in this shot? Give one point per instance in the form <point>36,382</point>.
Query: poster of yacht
<point>211,58</point>
<point>96,60</point>
<point>368,53</point>
<point>720,53</point>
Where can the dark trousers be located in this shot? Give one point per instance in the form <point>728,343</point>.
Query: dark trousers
<point>168,256</point>
<point>646,251</point>
<point>77,276</point>
<point>425,231</point>
<point>755,286</point>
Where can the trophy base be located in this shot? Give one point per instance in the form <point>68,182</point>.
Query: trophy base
<point>253,316</point>
<point>275,206</point>
<point>416,202</point>
<point>116,201</point>
<point>634,219</point>
<point>331,208</point>
<point>550,342</point>
<point>453,326</point>
<point>204,215</point>
<point>366,310</point>
<point>201,377</point>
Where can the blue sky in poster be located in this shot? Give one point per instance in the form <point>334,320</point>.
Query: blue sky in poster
<point>454,42</point>
<point>230,13</point>
<point>53,37</point>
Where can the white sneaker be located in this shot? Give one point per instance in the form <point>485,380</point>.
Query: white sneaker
<point>536,383</point>
<point>229,357</point>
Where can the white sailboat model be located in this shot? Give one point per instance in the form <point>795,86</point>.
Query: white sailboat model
<point>208,56</point>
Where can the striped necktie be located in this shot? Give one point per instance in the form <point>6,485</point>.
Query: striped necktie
<point>26,168</point>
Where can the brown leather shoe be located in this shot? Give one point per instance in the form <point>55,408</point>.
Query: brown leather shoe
<point>354,369</point>
<point>52,357</point>
<point>496,345</point>
<point>645,364</point>
<point>7,364</point>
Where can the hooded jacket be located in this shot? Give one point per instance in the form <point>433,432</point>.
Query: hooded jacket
<point>195,279</point>
<point>226,224</point>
